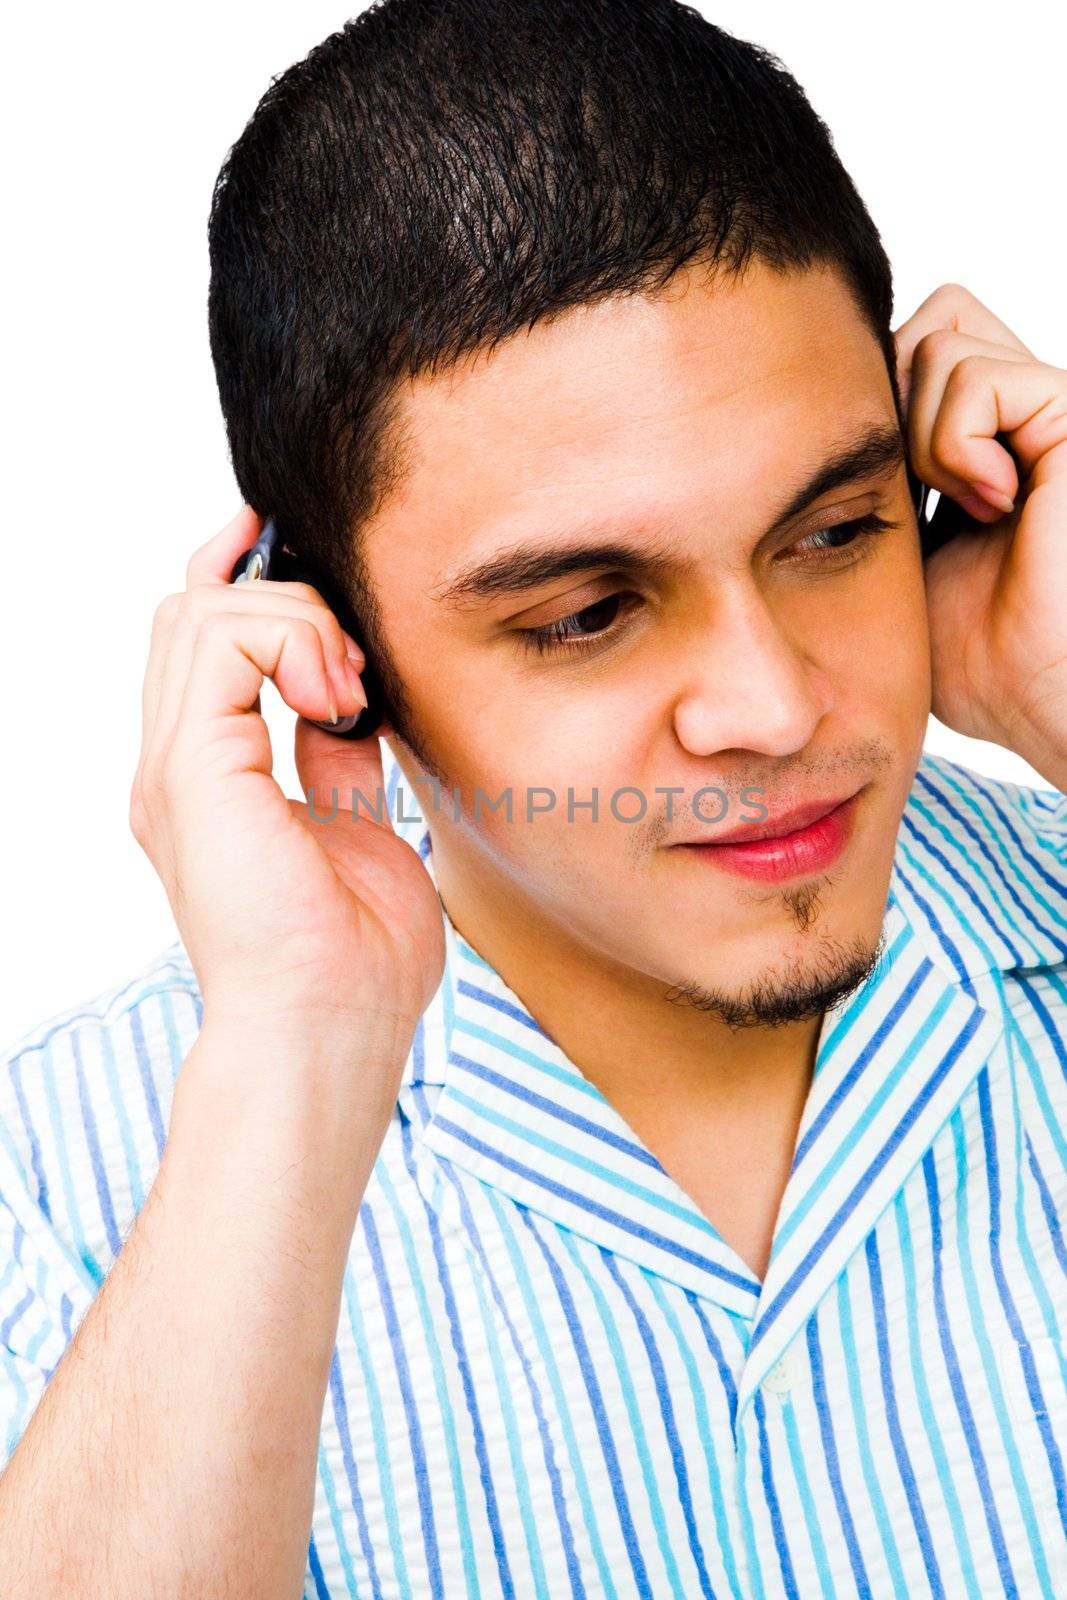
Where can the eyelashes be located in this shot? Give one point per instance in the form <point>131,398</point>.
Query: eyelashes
<point>858,529</point>
<point>556,635</point>
<point>855,537</point>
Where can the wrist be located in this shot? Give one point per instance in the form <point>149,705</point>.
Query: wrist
<point>1043,749</point>
<point>292,1083</point>
<point>303,1035</point>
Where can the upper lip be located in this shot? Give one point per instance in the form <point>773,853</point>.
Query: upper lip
<point>773,827</point>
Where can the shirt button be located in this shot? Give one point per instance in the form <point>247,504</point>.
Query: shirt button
<point>780,1378</point>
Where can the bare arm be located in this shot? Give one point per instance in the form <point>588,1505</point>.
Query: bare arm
<point>174,1451</point>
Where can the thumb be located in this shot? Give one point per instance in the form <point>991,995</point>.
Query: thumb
<point>330,768</point>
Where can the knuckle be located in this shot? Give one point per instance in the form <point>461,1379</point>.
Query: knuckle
<point>952,293</point>
<point>305,592</point>
<point>206,600</point>
<point>970,370</point>
<point>970,376</point>
<point>930,348</point>
<point>333,635</point>
<point>203,599</point>
<point>307,633</point>
<point>216,625</point>
<point>947,448</point>
<point>941,435</point>
<point>165,613</point>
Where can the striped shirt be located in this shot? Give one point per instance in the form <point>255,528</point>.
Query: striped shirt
<point>552,1376</point>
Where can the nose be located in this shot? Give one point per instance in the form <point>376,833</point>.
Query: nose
<point>752,687</point>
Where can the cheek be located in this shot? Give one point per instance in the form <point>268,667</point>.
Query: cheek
<point>899,636</point>
<point>552,765</point>
<point>875,643</point>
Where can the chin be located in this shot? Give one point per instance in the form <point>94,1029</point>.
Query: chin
<point>781,990</point>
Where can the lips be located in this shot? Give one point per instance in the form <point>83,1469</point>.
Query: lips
<point>774,827</point>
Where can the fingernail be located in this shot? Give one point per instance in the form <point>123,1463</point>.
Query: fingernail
<point>331,702</point>
<point>978,508</point>
<point>353,677</point>
<point>996,497</point>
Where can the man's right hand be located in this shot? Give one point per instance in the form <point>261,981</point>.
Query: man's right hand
<point>288,921</point>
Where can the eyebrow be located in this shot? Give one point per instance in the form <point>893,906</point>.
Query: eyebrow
<point>871,453</point>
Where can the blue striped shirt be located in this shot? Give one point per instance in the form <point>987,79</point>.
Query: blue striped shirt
<point>552,1376</point>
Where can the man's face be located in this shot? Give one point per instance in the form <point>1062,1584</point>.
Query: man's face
<point>759,654</point>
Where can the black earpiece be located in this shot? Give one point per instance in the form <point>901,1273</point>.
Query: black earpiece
<point>270,557</point>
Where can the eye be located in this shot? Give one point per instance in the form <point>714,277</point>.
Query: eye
<point>579,631</point>
<point>839,545</point>
<point>845,537</point>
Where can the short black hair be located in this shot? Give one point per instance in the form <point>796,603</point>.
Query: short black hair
<point>439,174</point>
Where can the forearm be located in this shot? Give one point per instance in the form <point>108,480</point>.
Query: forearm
<point>174,1451</point>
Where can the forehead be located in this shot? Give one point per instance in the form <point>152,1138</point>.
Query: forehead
<point>641,405</point>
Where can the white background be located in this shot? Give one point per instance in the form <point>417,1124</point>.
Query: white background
<point>947,115</point>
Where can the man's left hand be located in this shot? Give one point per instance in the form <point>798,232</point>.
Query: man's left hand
<point>997,595</point>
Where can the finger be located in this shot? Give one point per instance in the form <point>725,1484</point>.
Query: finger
<point>342,779</point>
<point>213,562</point>
<point>956,309</point>
<point>235,651</point>
<point>163,623</point>
<point>293,598</point>
<point>936,357</point>
<point>956,448</point>
<point>178,642</point>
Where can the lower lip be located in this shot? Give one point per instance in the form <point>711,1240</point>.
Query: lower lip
<point>791,855</point>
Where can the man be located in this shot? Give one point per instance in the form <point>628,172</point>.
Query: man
<point>573,1202</point>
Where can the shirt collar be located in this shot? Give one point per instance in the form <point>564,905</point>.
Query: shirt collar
<point>981,872</point>
<point>893,1061</point>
